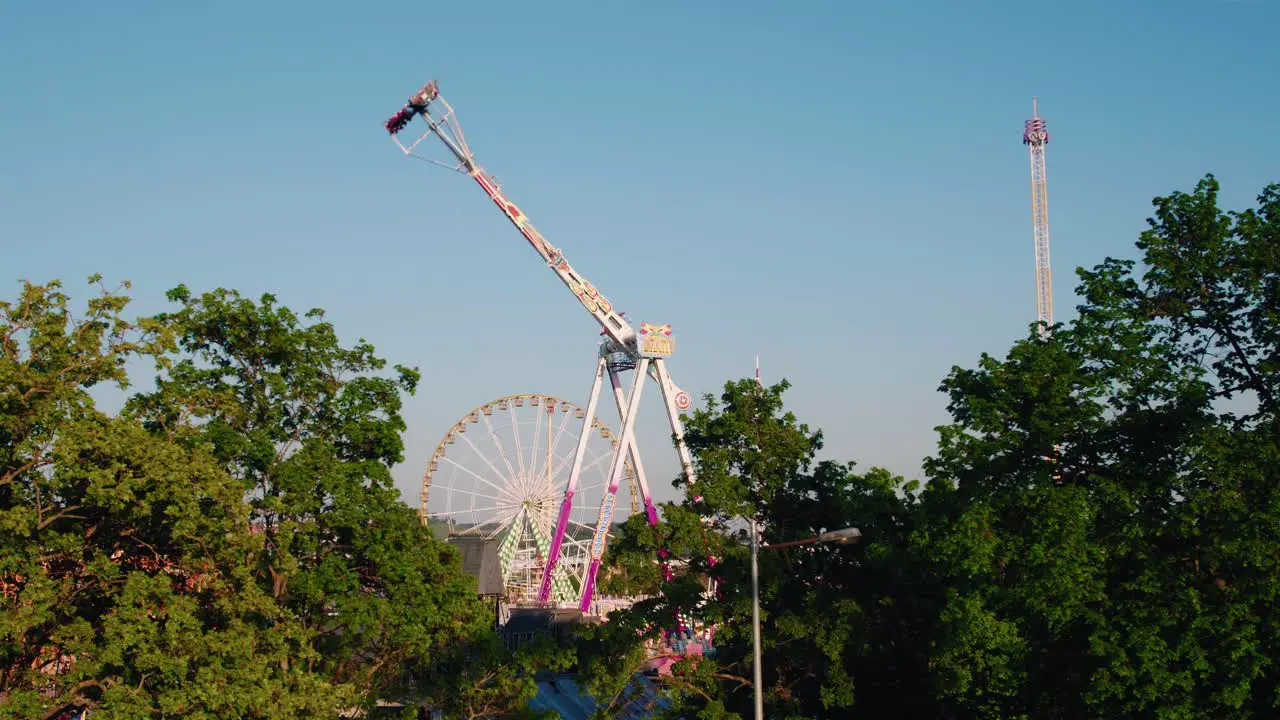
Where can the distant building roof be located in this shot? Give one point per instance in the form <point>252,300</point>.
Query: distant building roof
<point>522,624</point>
<point>480,561</point>
<point>563,694</point>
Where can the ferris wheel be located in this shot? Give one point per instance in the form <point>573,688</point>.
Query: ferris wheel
<point>500,474</point>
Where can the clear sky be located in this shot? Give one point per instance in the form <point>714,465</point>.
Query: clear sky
<point>839,186</point>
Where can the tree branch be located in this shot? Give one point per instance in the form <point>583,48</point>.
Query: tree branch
<point>31,464</point>
<point>76,701</point>
<point>64,513</point>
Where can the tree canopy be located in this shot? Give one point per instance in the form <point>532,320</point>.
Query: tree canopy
<point>231,543</point>
<point>1097,536</point>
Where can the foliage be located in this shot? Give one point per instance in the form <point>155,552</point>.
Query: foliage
<point>491,682</point>
<point>1106,502</point>
<point>311,432</point>
<point>753,458</point>
<point>1097,538</point>
<point>120,553</point>
<point>231,544</point>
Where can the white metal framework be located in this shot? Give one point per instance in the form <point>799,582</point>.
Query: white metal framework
<point>623,348</point>
<point>500,472</point>
<point>1035,136</point>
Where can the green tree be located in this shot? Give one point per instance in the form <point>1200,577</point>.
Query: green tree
<point>1104,510</point>
<point>121,554</point>
<point>491,682</point>
<point>754,458</point>
<point>309,429</point>
<point>231,544</point>
<point>1097,538</point>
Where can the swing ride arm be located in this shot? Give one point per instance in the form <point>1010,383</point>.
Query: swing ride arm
<point>647,349</point>
<point>442,122</point>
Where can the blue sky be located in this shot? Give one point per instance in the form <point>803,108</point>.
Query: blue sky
<point>839,186</point>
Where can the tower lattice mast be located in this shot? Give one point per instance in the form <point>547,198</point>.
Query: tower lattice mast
<point>1035,136</point>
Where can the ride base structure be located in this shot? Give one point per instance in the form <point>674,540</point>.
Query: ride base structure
<point>622,349</point>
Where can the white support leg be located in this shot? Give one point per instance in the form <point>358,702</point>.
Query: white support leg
<point>557,540</point>
<point>673,397</point>
<point>605,519</point>
<point>650,512</point>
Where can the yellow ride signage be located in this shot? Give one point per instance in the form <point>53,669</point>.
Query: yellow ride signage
<point>656,340</point>
<point>657,345</point>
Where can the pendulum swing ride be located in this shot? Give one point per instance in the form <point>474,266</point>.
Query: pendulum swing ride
<point>623,349</point>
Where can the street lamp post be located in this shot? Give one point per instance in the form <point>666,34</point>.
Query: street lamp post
<point>843,536</point>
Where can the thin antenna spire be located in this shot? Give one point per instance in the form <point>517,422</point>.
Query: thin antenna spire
<point>758,381</point>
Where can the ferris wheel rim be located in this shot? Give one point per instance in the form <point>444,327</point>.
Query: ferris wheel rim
<point>472,416</point>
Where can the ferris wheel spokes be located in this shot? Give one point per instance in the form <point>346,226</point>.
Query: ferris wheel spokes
<point>511,500</point>
<point>497,443</point>
<point>477,476</point>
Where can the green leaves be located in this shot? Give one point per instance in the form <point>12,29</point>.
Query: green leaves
<point>755,458</point>
<point>1097,537</point>
<point>746,449</point>
<point>232,544</point>
<point>121,552</point>
<point>1089,493</point>
<point>311,430</point>
<point>1208,296</point>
